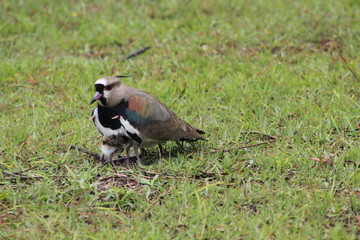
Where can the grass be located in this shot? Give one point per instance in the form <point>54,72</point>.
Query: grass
<point>284,68</point>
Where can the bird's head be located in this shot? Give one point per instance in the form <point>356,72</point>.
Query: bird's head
<point>107,91</point>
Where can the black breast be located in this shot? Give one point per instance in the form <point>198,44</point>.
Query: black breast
<point>106,115</point>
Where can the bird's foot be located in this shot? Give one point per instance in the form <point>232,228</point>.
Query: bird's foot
<point>127,162</point>
<point>138,160</point>
<point>104,161</point>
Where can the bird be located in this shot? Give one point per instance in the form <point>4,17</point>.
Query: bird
<point>143,119</point>
<point>111,144</point>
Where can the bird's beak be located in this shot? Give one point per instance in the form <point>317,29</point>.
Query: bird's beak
<point>96,97</point>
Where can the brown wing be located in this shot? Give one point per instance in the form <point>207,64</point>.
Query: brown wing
<point>173,129</point>
<point>146,105</point>
<point>160,123</point>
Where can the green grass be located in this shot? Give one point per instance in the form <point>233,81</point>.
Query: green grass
<point>284,68</point>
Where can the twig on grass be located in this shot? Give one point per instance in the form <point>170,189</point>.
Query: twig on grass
<point>83,150</point>
<point>26,170</point>
<point>15,175</point>
<point>13,186</point>
<point>24,177</point>
<point>133,54</point>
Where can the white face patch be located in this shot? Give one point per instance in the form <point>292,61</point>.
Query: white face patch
<point>101,81</point>
<point>106,93</point>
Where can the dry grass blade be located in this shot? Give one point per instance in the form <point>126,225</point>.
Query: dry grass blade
<point>325,159</point>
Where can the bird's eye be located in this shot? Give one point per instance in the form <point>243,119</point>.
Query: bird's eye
<point>108,88</point>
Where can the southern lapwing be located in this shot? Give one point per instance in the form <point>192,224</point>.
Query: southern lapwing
<point>130,112</point>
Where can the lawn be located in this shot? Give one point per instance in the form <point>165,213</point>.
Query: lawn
<point>274,84</point>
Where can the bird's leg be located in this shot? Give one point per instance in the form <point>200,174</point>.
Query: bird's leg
<point>103,159</point>
<point>111,159</point>
<point>161,152</point>
<point>180,145</point>
<point>128,155</point>
<point>143,152</point>
<point>136,151</point>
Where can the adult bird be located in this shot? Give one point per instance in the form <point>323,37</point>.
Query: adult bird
<point>135,114</point>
